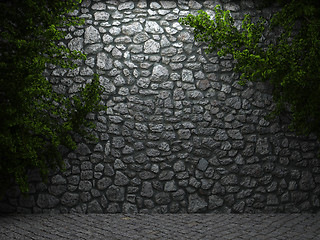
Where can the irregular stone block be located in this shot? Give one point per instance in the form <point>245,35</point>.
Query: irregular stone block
<point>166,175</point>
<point>151,46</point>
<point>211,68</point>
<point>169,52</point>
<point>234,102</point>
<point>73,180</point>
<point>57,190</point>
<point>83,149</point>
<point>151,152</point>
<point>129,208</point>
<point>118,142</point>
<point>155,5</point>
<point>70,199</point>
<point>108,170</point>
<point>135,49</point>
<point>87,175</point>
<point>116,53</point>
<point>184,134</point>
<point>91,35</point>
<point>117,15</point>
<point>140,38</point>
<point>153,27</point>
<point>94,207</point>
<point>113,208</point>
<point>215,202</point>
<point>146,175</point>
<point>115,193</point>
<point>143,82</point>
<point>195,94</point>
<point>85,197</point>
<point>104,183</point>
<point>196,204</point>
<point>128,150</point>
<point>262,146</point>
<point>168,4</point>
<point>85,185</point>
<point>253,170</point>
<point>233,7</point>
<point>194,4</point>
<point>101,16</point>
<point>76,44</point>
<point>179,166</point>
<point>187,76</point>
<point>93,48</point>
<point>121,179</point>
<point>221,135</point>
<point>132,29</point>
<point>306,182</point>
<point>239,207</point>
<point>170,186</point>
<point>98,6</point>
<point>147,189</point>
<point>272,199</point>
<point>58,179</point>
<point>202,164</point>
<point>235,134</point>
<point>115,31</point>
<point>194,183</point>
<point>104,62</point>
<point>47,201</point>
<point>162,198</point>
<point>185,37</point>
<point>231,179</point>
<point>203,84</point>
<point>126,5</point>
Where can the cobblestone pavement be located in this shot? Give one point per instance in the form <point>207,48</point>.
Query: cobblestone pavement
<point>161,226</point>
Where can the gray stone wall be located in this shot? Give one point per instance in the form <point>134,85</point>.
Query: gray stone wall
<point>180,135</point>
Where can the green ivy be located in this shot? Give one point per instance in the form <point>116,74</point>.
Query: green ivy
<point>35,121</point>
<point>291,62</point>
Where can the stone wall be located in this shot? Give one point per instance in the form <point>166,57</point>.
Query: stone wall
<point>180,134</point>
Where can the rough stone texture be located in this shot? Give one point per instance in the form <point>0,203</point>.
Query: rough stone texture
<point>179,134</point>
<point>47,201</point>
<point>103,61</point>
<point>129,225</point>
<point>115,193</point>
<point>94,207</point>
<point>153,27</point>
<point>151,46</point>
<point>91,35</point>
<point>70,199</point>
<point>187,76</point>
<point>132,29</point>
<point>196,204</point>
<point>146,189</point>
<point>101,16</point>
<point>104,183</point>
<point>159,73</point>
<point>121,179</point>
<point>76,44</point>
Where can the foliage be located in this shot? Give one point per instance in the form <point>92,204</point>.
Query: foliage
<point>290,62</point>
<point>35,120</point>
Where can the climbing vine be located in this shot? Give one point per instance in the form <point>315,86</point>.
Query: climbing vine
<point>291,62</point>
<point>36,121</point>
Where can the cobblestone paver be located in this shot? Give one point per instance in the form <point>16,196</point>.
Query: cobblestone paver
<point>160,226</point>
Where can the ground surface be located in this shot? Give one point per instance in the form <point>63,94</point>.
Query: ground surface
<point>161,226</point>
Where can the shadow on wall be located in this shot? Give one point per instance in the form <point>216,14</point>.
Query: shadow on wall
<point>180,134</point>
